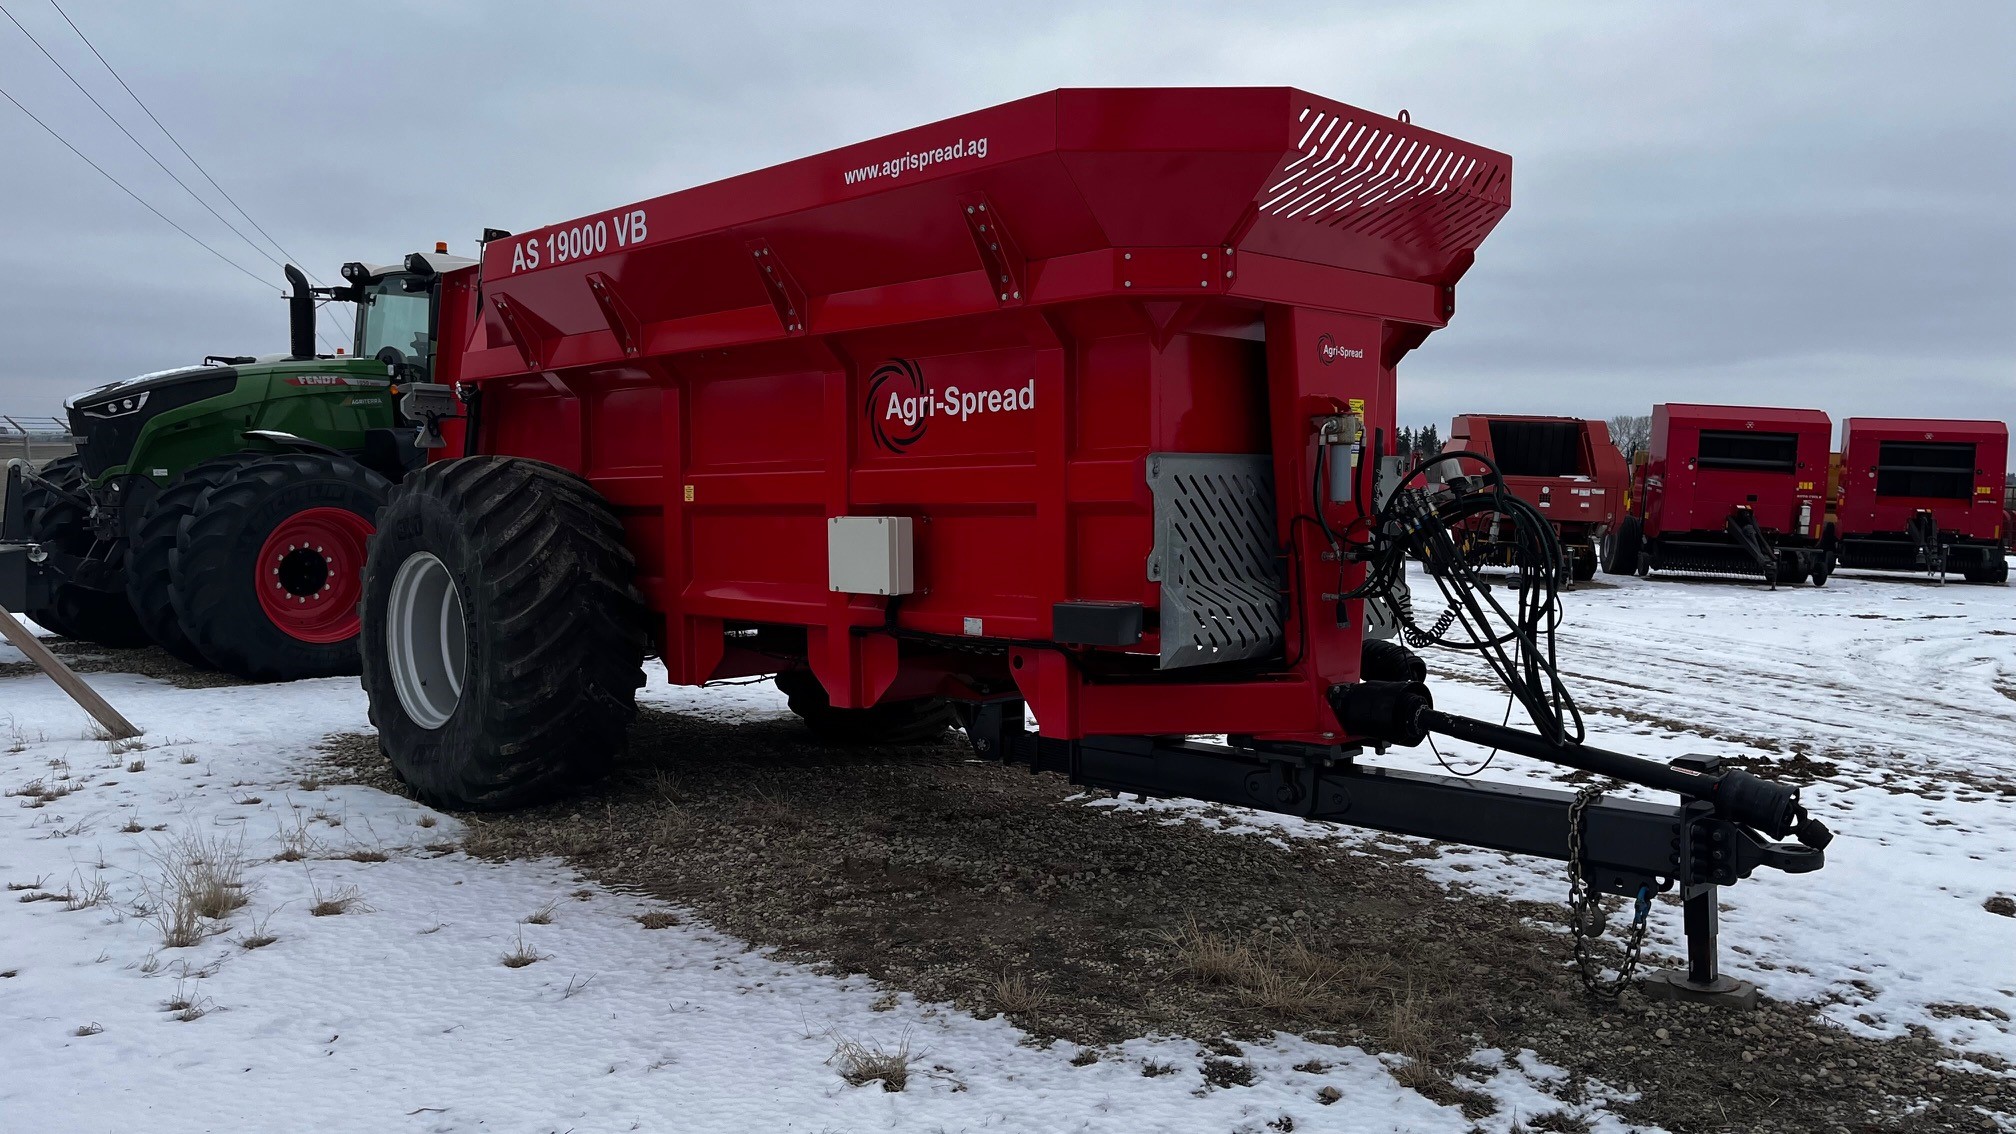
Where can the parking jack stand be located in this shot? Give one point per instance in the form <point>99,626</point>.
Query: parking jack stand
<point>1702,982</point>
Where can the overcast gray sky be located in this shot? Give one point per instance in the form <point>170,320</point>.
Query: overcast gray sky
<point>1779,203</point>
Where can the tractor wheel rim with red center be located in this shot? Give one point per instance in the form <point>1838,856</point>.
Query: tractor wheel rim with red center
<point>310,574</point>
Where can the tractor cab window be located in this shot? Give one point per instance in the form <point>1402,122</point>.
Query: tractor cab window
<point>394,317</point>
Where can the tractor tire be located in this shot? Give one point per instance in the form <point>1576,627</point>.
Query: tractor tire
<point>75,610</point>
<point>503,637</point>
<point>1621,546</point>
<point>893,723</point>
<point>148,577</point>
<point>268,567</point>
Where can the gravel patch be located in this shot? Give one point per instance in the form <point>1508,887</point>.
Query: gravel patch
<point>1000,891</point>
<point>147,661</point>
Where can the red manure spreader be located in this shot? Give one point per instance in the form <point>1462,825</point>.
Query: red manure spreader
<point>1729,490</point>
<point>1920,495</point>
<point>1068,407</point>
<point>1565,466</point>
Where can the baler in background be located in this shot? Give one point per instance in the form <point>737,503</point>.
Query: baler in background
<point>1071,408</point>
<point>1729,490</point>
<point>1923,495</point>
<point>1565,466</point>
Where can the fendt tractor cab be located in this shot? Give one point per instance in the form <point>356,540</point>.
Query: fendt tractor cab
<point>222,509</point>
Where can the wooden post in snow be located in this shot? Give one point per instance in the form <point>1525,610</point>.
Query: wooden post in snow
<point>63,675</point>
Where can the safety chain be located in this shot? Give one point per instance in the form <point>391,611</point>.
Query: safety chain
<point>1586,915</point>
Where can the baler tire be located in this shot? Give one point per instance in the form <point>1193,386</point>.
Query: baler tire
<point>553,632</point>
<point>1585,563</point>
<point>86,614</point>
<point>227,551</point>
<point>149,579</point>
<point>1621,547</point>
<point>892,723</point>
<point>1994,574</point>
<point>1829,540</point>
<point>1791,569</point>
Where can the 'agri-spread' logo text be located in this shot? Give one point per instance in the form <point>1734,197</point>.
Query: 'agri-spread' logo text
<point>901,406</point>
<point>1328,350</point>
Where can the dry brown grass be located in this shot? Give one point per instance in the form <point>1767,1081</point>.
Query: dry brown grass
<point>207,873</point>
<point>863,1063</point>
<point>342,900</point>
<point>257,937</point>
<point>1210,958</point>
<point>85,895</point>
<point>298,843</point>
<point>184,1004</point>
<point>1013,993</point>
<point>521,955</point>
<point>136,766</point>
<point>1284,977</point>
<point>657,919</point>
<point>541,916</point>
<point>201,885</point>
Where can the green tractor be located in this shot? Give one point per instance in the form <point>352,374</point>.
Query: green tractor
<point>222,510</point>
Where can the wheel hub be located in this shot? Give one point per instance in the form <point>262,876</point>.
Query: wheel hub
<point>426,641</point>
<point>303,572</point>
<point>310,571</point>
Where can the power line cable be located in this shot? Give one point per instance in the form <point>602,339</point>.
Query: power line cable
<point>177,142</point>
<point>109,117</point>
<point>170,221</point>
<point>254,276</point>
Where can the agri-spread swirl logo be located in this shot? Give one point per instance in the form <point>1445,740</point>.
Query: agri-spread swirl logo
<point>901,405</point>
<point>1328,350</point>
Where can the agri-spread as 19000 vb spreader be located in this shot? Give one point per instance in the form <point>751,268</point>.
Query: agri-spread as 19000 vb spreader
<point>1073,404</point>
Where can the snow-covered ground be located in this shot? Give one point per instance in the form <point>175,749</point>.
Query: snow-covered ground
<point>399,1013</point>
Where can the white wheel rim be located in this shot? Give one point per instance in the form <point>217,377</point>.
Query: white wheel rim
<point>425,640</point>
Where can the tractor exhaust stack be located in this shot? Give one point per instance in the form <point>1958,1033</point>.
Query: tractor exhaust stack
<point>300,315</point>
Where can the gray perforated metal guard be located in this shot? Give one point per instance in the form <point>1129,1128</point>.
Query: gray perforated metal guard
<point>1214,556</point>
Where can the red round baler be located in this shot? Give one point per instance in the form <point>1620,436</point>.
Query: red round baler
<point>1923,495</point>
<point>1729,490</point>
<point>1566,466</point>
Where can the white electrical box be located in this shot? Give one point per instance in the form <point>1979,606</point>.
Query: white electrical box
<point>870,555</point>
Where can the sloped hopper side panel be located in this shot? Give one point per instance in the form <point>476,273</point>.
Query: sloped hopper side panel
<point>1214,556</point>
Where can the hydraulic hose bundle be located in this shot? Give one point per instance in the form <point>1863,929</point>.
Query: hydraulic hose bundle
<point>1420,519</point>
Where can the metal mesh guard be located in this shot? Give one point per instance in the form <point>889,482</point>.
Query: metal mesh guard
<point>1214,556</point>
